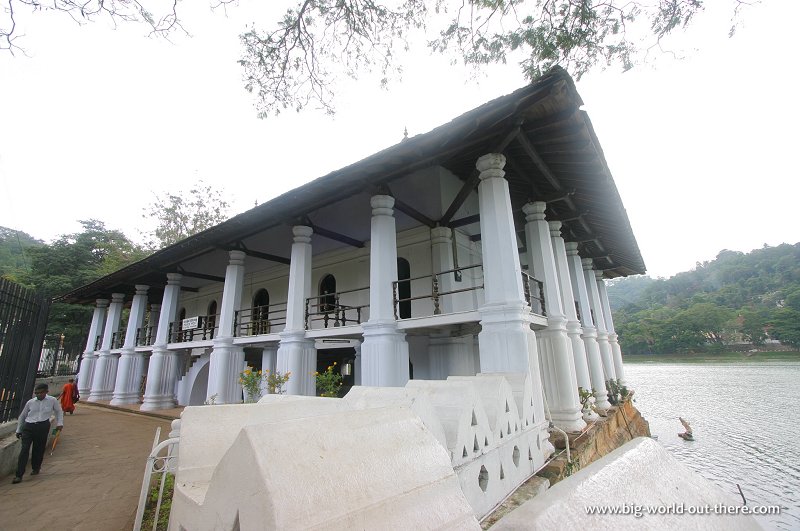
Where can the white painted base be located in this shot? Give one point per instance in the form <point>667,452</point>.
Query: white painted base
<point>384,356</point>
<point>297,355</point>
<point>225,367</point>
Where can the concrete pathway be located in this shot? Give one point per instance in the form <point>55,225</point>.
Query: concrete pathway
<point>92,480</point>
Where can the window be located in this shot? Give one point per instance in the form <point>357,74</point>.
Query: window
<point>260,319</point>
<point>327,297</point>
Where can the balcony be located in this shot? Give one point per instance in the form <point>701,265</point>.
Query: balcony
<point>333,310</point>
<point>259,320</point>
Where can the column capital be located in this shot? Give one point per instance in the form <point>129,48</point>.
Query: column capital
<point>534,211</point>
<point>382,205</point>
<point>555,229</point>
<point>571,248</point>
<point>101,303</point>
<point>588,264</point>
<point>174,279</point>
<point>598,275</point>
<point>236,257</point>
<point>491,165</point>
<point>117,298</point>
<point>441,235</point>
<point>141,289</point>
<point>302,234</point>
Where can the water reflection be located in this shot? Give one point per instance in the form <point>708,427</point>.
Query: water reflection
<point>746,419</point>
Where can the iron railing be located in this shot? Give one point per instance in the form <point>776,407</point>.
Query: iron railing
<point>118,339</point>
<point>534,293</point>
<point>436,294</point>
<point>23,317</point>
<point>260,320</point>
<point>60,356</point>
<point>206,329</point>
<point>98,342</point>
<point>334,310</point>
<point>145,336</point>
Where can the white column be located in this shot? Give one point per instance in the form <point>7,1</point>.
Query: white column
<point>89,355</point>
<point>226,358</point>
<point>589,336</point>
<point>384,352</point>
<point>599,319</point>
<point>357,365</point>
<point>616,352</point>
<point>555,349</point>
<point>296,354</point>
<point>131,363</point>
<point>105,369</point>
<point>574,330</point>
<point>162,371</point>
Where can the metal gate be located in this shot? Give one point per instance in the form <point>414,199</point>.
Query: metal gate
<point>23,318</point>
<point>61,356</point>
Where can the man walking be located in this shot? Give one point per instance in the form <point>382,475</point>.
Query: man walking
<point>33,426</point>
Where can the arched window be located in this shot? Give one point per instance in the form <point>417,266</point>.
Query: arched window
<point>211,320</point>
<point>327,289</point>
<point>403,288</point>
<point>261,312</point>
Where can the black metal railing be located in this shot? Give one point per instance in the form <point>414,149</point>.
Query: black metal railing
<point>23,316</point>
<point>98,342</point>
<point>118,339</point>
<point>205,330</point>
<point>534,293</point>
<point>259,320</point>
<point>60,356</point>
<point>436,294</point>
<point>578,311</point>
<point>145,336</point>
<point>335,309</point>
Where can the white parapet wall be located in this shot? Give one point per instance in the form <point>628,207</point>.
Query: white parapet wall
<point>643,484</point>
<point>427,456</point>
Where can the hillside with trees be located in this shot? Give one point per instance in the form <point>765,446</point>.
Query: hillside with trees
<point>735,298</point>
<point>13,258</point>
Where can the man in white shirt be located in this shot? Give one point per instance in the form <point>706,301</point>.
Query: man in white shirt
<point>33,426</point>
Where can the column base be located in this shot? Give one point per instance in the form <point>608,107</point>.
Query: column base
<point>616,354</point>
<point>384,355</point>
<point>126,387</point>
<point>558,377</point>
<point>86,373</point>
<point>225,366</point>
<point>503,339</point>
<point>298,356</point>
<point>100,389</point>
<point>595,362</point>
<point>161,380</point>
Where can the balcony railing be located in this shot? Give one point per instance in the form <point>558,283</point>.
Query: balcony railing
<point>259,320</point>
<point>534,293</point>
<point>206,328</point>
<point>97,342</point>
<point>335,309</point>
<point>436,293</point>
<point>118,339</point>
<point>145,336</point>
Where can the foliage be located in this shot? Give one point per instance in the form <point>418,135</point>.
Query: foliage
<point>13,253</point>
<point>182,214</point>
<point>296,60</point>
<point>276,381</point>
<point>735,298</point>
<point>329,383</point>
<point>73,260</point>
<point>585,398</point>
<point>166,505</point>
<point>251,382</point>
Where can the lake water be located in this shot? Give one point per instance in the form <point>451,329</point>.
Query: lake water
<point>745,417</point>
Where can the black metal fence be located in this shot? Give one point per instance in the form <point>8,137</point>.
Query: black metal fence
<point>61,356</point>
<point>23,317</point>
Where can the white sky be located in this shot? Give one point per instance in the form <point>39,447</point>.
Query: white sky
<point>95,121</point>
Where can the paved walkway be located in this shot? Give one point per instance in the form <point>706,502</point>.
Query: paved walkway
<point>92,480</point>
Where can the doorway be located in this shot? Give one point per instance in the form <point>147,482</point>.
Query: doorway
<point>345,363</point>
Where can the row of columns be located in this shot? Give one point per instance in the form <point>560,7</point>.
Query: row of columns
<point>568,353</point>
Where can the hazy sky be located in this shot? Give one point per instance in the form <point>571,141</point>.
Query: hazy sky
<point>95,121</point>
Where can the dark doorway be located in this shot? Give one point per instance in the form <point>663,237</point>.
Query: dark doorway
<point>345,363</point>
<point>327,289</point>
<point>403,288</point>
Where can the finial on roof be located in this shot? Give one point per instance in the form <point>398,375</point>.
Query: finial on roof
<point>405,133</point>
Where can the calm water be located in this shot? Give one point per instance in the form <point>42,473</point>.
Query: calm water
<point>746,422</point>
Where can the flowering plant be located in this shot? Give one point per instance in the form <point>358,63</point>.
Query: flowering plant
<point>329,382</point>
<point>251,383</point>
<point>276,381</point>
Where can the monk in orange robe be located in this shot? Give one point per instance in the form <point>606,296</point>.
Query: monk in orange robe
<point>68,394</point>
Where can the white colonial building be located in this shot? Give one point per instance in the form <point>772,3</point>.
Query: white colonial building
<point>479,247</point>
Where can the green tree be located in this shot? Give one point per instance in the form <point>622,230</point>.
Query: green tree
<point>294,61</point>
<point>73,260</point>
<point>182,214</point>
<point>14,259</point>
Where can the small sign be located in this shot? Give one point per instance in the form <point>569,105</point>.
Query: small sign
<point>191,323</point>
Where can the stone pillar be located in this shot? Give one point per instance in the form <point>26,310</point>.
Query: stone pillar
<point>105,370</point>
<point>131,363</point>
<point>226,358</point>
<point>162,372</point>
<point>574,329</point>
<point>89,357</point>
<point>384,352</point>
<point>616,352</point>
<point>296,354</point>
<point>555,349</point>
<point>269,361</point>
<point>599,319</point>
<point>589,335</point>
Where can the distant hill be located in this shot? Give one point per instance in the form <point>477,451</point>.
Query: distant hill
<point>735,298</point>
<point>13,259</point>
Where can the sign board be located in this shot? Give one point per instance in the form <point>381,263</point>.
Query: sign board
<point>190,323</point>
